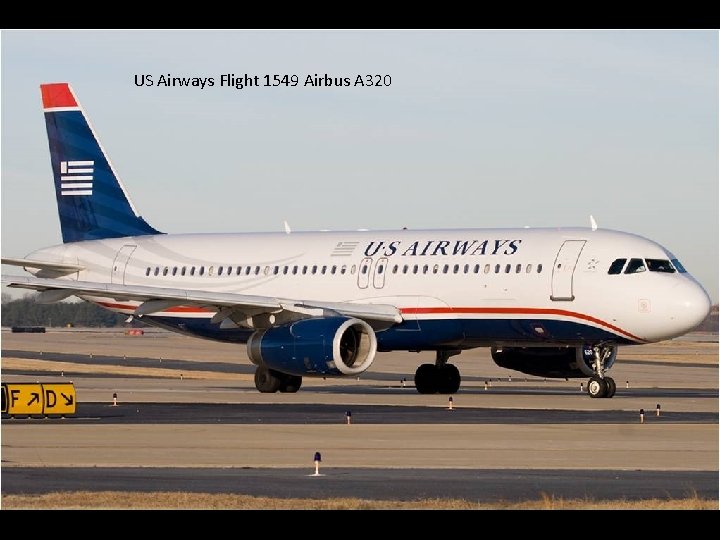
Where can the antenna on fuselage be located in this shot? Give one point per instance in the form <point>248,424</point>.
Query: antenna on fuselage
<point>593,223</point>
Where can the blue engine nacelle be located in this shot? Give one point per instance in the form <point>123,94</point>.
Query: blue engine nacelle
<point>325,346</point>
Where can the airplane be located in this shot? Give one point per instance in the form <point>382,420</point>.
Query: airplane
<point>549,302</point>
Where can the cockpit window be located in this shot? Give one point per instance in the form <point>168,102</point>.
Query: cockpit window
<point>659,265</point>
<point>635,266</point>
<point>617,266</point>
<point>679,267</point>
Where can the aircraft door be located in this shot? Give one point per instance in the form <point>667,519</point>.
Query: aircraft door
<point>364,273</point>
<point>379,274</point>
<point>563,270</point>
<point>117,275</point>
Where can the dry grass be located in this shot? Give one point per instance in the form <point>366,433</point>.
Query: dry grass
<point>47,365</point>
<point>125,500</point>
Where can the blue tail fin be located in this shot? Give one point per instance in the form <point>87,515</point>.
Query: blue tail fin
<point>92,202</point>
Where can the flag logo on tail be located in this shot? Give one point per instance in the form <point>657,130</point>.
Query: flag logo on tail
<point>76,177</point>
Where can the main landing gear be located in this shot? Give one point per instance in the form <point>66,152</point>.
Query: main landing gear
<point>440,377</point>
<point>269,381</point>
<point>600,386</point>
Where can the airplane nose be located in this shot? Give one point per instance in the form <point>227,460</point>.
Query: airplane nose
<point>692,306</point>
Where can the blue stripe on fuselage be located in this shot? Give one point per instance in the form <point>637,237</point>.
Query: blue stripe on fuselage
<point>433,333</point>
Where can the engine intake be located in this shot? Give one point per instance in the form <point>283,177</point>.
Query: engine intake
<point>323,346</point>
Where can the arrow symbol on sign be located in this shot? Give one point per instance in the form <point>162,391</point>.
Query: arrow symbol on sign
<point>68,399</point>
<point>35,398</point>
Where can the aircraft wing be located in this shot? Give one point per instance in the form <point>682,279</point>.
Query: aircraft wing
<point>155,299</point>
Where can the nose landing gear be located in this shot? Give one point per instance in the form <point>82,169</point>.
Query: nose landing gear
<point>599,385</point>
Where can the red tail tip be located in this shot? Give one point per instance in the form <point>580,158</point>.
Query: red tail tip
<point>57,95</point>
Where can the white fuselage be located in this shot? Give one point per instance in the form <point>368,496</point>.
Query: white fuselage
<point>527,279</point>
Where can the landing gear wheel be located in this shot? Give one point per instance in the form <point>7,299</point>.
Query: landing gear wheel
<point>426,379</point>
<point>267,380</point>
<point>448,378</point>
<point>597,387</point>
<point>611,387</point>
<point>291,384</point>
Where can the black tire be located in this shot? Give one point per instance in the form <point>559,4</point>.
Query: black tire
<point>267,380</point>
<point>611,387</point>
<point>426,377</point>
<point>448,379</point>
<point>597,387</point>
<point>291,384</point>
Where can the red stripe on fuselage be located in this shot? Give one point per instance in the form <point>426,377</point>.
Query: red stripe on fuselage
<point>177,309</point>
<point>433,311</point>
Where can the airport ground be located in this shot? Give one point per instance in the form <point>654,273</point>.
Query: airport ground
<point>189,420</point>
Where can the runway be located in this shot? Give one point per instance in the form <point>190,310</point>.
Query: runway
<point>481,485</point>
<point>333,414</point>
<point>189,419</point>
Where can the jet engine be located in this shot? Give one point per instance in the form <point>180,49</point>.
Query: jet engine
<point>329,346</point>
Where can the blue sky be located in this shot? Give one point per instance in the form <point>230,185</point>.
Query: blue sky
<point>478,129</point>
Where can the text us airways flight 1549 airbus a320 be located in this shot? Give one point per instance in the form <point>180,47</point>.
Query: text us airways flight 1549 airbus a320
<point>549,302</point>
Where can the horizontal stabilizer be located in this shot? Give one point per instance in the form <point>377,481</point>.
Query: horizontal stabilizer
<point>59,268</point>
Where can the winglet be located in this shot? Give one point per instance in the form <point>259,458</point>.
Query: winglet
<point>593,224</point>
<point>287,228</point>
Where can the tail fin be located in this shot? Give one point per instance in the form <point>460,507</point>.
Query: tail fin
<point>92,201</point>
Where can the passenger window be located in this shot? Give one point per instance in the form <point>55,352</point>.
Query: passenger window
<point>248,270</point>
<point>192,271</point>
<point>477,269</point>
<point>456,268</point>
<point>183,270</point>
<point>436,268</point>
<point>324,269</point>
<point>165,271</point>
<point>528,268</point>
<point>539,268</point>
<point>446,267</point>
<point>497,268</point>
<point>635,266</point>
<point>364,269</point>
<point>415,269</point>
<point>425,268</point>
<point>220,271</point>
<point>238,271</point>
<point>266,271</point>
<point>314,269</point>
<point>518,268</point>
<point>659,265</point>
<point>333,270</point>
<point>405,269</point>
<point>294,270</point>
<point>616,266</point>
<point>304,270</point>
<point>380,268</point>
<point>352,269</point>
<point>507,268</point>
<point>174,272</point>
<point>343,269</point>
<point>147,272</point>
<point>487,269</point>
<point>276,270</point>
<point>395,269</point>
<point>202,271</point>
